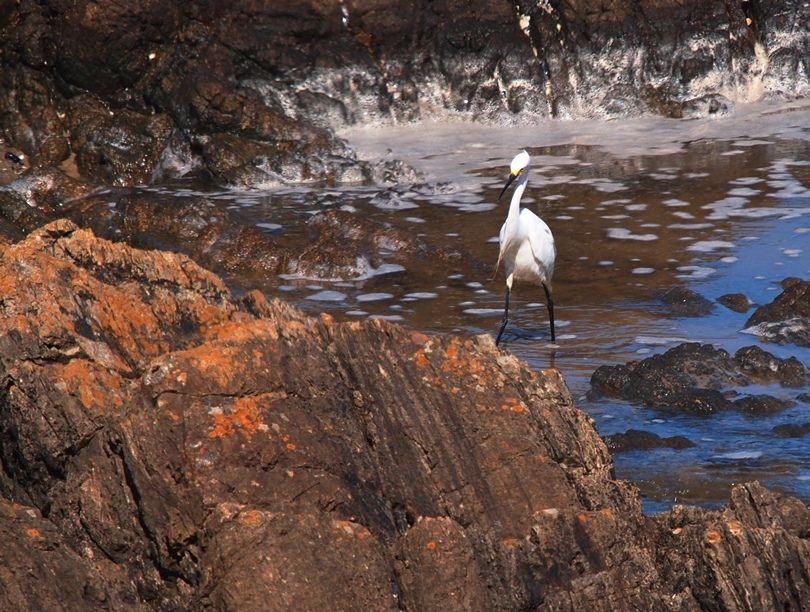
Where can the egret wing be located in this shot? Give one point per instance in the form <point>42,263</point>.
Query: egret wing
<point>541,241</point>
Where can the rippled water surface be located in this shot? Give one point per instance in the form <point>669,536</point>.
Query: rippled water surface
<point>721,205</point>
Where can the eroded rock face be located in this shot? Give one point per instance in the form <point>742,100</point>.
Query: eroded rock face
<point>178,449</point>
<point>696,378</point>
<point>250,93</point>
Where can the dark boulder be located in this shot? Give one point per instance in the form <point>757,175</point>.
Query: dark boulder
<point>694,378</point>
<point>737,302</point>
<point>787,318</point>
<point>683,302</point>
<point>635,439</point>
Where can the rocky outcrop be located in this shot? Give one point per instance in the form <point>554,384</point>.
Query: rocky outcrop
<point>787,318</point>
<point>165,446</point>
<point>249,93</point>
<point>700,379</point>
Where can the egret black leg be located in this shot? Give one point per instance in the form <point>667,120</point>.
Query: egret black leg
<point>550,304</point>
<point>505,317</point>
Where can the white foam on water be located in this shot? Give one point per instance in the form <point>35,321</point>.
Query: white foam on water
<point>636,207</point>
<point>327,296</point>
<point>642,271</point>
<point>729,259</point>
<point>606,262</point>
<point>484,312</point>
<point>695,272</point>
<point>563,218</point>
<point>682,214</point>
<point>659,341</point>
<point>269,226</point>
<point>422,295</point>
<point>621,233</point>
<point>675,202</point>
<point>732,152</point>
<point>415,219</point>
<point>744,191</point>
<point>690,226</point>
<point>394,317</point>
<point>792,252</point>
<point>374,297</point>
<point>746,180</point>
<point>707,246</point>
<point>740,455</point>
<point>615,217</point>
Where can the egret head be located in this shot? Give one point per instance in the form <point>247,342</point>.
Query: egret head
<point>516,168</point>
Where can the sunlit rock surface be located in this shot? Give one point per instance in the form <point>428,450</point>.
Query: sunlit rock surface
<point>164,445</point>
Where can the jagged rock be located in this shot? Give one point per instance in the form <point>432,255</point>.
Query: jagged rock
<point>692,377</point>
<point>174,448</point>
<point>634,439</point>
<point>787,318</point>
<point>254,91</point>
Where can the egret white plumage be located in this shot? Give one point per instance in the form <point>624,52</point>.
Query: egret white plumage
<point>527,246</point>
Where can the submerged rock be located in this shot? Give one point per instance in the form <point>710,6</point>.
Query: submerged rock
<point>635,439</point>
<point>169,447</point>
<point>787,318</point>
<point>692,377</point>
<point>738,302</point>
<point>684,302</point>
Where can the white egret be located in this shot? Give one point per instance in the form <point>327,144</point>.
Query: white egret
<point>527,246</point>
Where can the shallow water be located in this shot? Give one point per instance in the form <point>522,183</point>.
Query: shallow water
<point>720,205</point>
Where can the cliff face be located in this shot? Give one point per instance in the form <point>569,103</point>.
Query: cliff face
<point>165,446</point>
<point>250,92</point>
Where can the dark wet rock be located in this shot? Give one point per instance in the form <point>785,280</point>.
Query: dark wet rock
<point>194,226</point>
<point>759,405</point>
<point>691,377</point>
<point>787,318</point>
<point>764,368</point>
<point>346,245</point>
<point>684,302</point>
<point>254,91</point>
<point>116,146</point>
<point>341,244</point>
<point>34,198</point>
<point>170,447</point>
<point>635,439</point>
<point>737,302</point>
<point>792,430</point>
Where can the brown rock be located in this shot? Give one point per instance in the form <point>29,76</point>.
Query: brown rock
<point>192,451</point>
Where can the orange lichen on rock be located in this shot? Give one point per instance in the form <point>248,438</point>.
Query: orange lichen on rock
<point>713,536</point>
<point>243,416</point>
<point>513,404</point>
<point>734,527</point>
<point>251,518</point>
<point>420,358</point>
<point>431,545</point>
<point>89,383</point>
<point>33,532</point>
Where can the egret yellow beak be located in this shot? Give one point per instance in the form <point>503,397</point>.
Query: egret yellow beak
<point>512,177</point>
